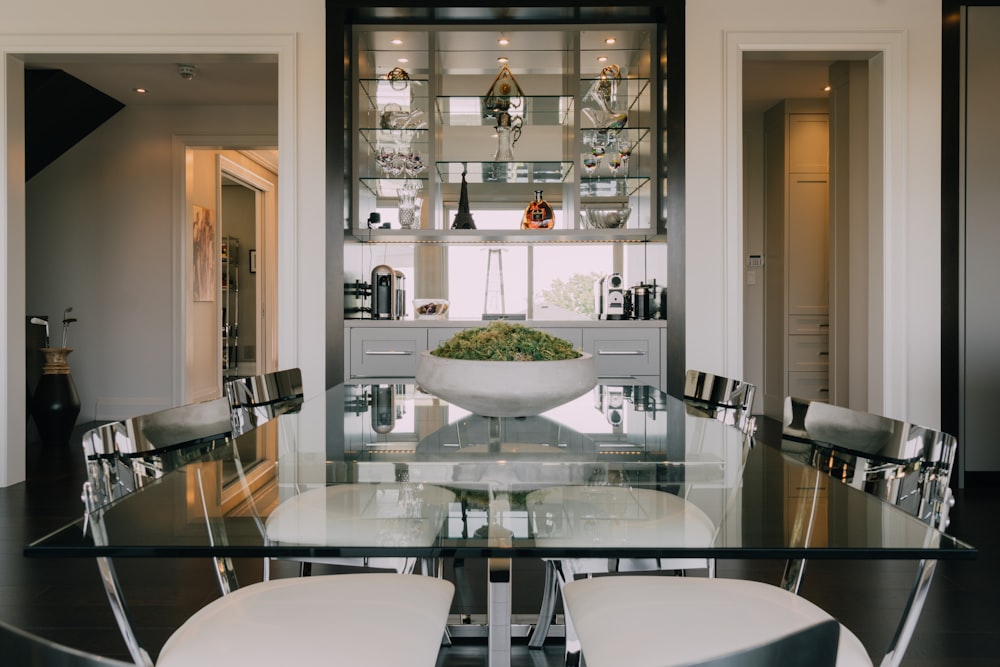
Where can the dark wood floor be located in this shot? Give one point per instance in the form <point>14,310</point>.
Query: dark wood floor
<point>64,600</point>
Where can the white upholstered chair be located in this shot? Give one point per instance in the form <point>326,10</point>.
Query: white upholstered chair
<point>367,618</point>
<point>901,463</point>
<point>705,395</point>
<point>663,621</point>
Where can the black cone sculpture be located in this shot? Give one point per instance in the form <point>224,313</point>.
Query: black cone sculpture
<point>463,218</point>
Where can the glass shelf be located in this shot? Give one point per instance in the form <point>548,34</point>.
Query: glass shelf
<point>537,110</point>
<point>504,172</point>
<point>388,187</point>
<point>380,92</point>
<point>610,186</point>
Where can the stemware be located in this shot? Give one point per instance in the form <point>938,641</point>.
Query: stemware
<point>589,164</point>
<point>614,164</point>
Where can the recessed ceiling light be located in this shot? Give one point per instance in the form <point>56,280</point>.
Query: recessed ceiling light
<point>502,59</point>
<point>602,59</point>
<point>402,60</point>
<point>610,40</point>
<point>397,42</point>
<point>826,89</point>
<point>503,41</point>
<point>140,90</point>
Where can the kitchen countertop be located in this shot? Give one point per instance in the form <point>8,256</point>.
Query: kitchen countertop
<point>550,324</point>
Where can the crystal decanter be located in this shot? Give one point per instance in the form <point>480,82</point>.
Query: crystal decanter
<point>538,214</point>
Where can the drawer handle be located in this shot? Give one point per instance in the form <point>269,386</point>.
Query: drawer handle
<point>823,326</point>
<point>824,354</point>
<point>621,353</point>
<point>388,353</point>
<point>824,390</point>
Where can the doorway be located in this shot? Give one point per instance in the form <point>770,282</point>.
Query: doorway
<point>232,334</point>
<point>853,102</point>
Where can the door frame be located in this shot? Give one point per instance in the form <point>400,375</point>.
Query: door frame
<point>265,238</point>
<point>887,287</point>
<point>182,337</point>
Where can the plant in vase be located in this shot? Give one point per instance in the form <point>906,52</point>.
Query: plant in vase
<point>506,370</point>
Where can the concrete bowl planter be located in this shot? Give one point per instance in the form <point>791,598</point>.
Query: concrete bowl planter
<point>506,388</point>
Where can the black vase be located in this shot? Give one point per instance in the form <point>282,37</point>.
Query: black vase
<point>55,404</point>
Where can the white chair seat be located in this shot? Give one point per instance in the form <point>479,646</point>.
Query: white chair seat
<point>616,516</point>
<point>391,514</point>
<point>371,619</point>
<point>657,621</point>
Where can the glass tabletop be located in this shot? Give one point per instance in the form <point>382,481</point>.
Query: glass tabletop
<point>388,470</point>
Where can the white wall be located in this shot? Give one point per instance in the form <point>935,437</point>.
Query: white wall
<point>295,29</point>
<point>100,235</point>
<point>714,213</point>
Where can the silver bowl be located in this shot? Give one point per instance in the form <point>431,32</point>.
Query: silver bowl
<point>602,217</point>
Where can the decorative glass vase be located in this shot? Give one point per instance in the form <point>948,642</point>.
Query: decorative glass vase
<point>508,132</point>
<point>538,214</point>
<point>55,405</point>
<point>408,205</point>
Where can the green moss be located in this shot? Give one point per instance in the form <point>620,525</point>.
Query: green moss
<point>503,341</point>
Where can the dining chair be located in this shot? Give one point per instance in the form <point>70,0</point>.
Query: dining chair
<point>301,621</point>
<point>25,649</point>
<point>303,517</point>
<point>663,621</point>
<point>705,395</point>
<point>903,464</point>
<point>257,399</point>
<point>721,398</point>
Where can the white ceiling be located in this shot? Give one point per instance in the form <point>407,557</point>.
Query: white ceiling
<point>220,79</point>
<point>227,79</point>
<point>767,82</point>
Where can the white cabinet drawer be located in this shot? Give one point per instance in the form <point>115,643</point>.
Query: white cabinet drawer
<point>808,324</point>
<point>808,353</point>
<point>386,352</point>
<point>814,386</point>
<point>623,352</point>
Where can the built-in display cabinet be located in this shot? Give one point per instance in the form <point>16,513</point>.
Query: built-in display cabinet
<point>459,129</point>
<point>509,170</point>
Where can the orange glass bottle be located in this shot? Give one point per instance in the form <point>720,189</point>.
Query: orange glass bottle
<point>538,214</point>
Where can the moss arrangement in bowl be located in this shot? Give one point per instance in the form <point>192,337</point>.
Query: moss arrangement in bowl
<point>506,370</point>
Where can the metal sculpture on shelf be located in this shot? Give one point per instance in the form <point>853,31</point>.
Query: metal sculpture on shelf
<point>505,101</point>
<point>463,217</point>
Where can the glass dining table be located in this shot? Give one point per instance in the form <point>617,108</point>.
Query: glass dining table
<point>385,470</point>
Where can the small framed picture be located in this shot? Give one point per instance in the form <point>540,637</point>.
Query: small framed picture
<point>253,261</point>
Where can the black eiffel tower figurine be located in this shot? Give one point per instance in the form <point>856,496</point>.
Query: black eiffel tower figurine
<point>463,218</point>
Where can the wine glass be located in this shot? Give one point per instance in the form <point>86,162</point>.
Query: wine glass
<point>590,164</point>
<point>598,152</point>
<point>614,164</point>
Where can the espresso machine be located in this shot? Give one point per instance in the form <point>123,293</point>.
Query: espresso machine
<point>611,298</point>
<point>388,293</point>
<point>648,302</point>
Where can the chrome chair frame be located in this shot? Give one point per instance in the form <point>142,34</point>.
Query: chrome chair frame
<point>904,464</point>
<point>707,395</point>
<point>258,399</point>
<point>123,456</point>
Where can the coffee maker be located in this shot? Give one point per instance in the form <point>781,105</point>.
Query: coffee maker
<point>610,300</point>
<point>388,293</point>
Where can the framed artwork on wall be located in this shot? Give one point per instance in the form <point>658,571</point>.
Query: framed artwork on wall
<point>204,254</point>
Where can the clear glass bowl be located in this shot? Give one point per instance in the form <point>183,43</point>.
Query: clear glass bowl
<point>605,217</point>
